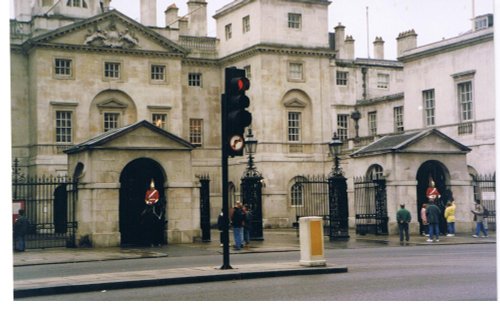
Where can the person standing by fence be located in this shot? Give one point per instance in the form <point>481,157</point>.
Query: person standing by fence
<point>479,218</point>
<point>449,215</point>
<point>433,217</point>
<point>403,218</point>
<point>21,227</point>
<point>237,220</point>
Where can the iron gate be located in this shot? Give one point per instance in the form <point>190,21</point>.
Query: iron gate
<point>320,196</point>
<point>205,207</point>
<point>370,203</point>
<point>50,204</point>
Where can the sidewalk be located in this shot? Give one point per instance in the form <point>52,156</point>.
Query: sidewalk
<point>275,240</point>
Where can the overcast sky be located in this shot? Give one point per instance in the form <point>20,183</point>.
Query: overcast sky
<point>431,19</point>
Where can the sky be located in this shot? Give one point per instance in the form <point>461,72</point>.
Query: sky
<point>432,20</point>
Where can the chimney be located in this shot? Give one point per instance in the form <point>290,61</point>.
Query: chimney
<point>378,48</point>
<point>406,41</point>
<point>105,5</point>
<point>22,9</point>
<point>172,16</point>
<point>348,48</point>
<point>197,18</point>
<point>148,12</point>
<point>339,38</point>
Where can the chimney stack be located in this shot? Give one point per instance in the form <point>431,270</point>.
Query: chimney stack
<point>172,16</point>
<point>148,12</point>
<point>348,48</point>
<point>105,5</point>
<point>339,39</point>
<point>197,18</point>
<point>378,48</point>
<point>406,41</point>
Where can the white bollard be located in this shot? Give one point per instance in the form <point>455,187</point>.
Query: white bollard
<point>312,250</point>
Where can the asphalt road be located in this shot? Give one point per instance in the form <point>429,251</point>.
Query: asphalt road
<point>408,273</point>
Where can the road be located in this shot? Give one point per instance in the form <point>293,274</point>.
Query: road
<point>417,273</point>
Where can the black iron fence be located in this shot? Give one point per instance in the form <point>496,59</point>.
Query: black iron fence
<point>205,207</point>
<point>370,203</point>
<point>484,191</point>
<point>49,204</point>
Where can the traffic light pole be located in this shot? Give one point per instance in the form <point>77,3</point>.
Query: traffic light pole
<point>225,192</point>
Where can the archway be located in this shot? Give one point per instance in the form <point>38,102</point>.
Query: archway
<point>437,172</point>
<point>136,226</point>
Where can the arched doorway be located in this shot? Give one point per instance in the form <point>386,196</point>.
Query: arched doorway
<point>437,172</point>
<point>136,226</point>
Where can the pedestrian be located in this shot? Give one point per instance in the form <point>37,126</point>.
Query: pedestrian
<point>247,225</point>
<point>480,220</point>
<point>21,227</point>
<point>433,215</point>
<point>403,218</point>
<point>449,215</point>
<point>237,219</point>
<point>425,224</point>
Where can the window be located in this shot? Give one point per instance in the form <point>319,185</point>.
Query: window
<point>382,81</point>
<point>429,107</point>
<point>248,71</point>
<point>372,123</point>
<point>158,73</point>
<point>398,119</point>
<point>160,120</point>
<point>294,20</point>
<point>111,120</point>
<point>375,172</point>
<point>63,67</point>
<point>64,127</point>
<point>342,126</point>
<point>77,3</point>
<point>194,79</point>
<point>465,100</point>
<point>196,131</point>
<point>342,77</point>
<point>246,24</point>
<point>296,71</point>
<point>229,31</point>
<point>294,126</point>
<point>112,70</point>
<point>297,194</point>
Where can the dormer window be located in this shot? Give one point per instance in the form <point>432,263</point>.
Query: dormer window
<point>77,3</point>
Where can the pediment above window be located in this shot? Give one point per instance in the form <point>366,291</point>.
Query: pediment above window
<point>295,103</point>
<point>111,104</point>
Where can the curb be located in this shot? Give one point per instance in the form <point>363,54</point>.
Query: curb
<point>214,275</point>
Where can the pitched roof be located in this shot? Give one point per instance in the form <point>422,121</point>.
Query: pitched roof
<point>397,143</point>
<point>115,133</point>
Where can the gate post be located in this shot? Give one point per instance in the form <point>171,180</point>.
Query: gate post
<point>339,207</point>
<point>205,208</point>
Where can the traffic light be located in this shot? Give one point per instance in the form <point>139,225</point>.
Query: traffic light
<point>235,115</point>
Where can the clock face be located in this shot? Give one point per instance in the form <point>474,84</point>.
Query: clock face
<point>236,142</point>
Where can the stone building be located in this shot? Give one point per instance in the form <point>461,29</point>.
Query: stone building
<point>116,102</point>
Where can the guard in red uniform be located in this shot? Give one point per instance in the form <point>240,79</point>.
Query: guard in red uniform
<point>432,193</point>
<point>152,195</point>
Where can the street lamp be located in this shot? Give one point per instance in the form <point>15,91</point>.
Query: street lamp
<point>337,195</point>
<point>335,147</point>
<point>251,188</point>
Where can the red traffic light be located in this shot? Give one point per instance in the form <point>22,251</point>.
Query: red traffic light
<point>240,84</point>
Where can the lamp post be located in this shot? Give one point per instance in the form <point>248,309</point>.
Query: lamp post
<point>337,195</point>
<point>251,188</point>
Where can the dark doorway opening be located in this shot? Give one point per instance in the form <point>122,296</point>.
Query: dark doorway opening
<point>437,172</point>
<point>137,226</point>
<point>60,209</point>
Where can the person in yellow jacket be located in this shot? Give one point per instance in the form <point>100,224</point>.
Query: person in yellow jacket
<point>449,215</point>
